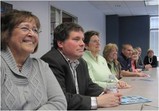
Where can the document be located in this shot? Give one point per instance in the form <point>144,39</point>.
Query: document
<point>134,100</point>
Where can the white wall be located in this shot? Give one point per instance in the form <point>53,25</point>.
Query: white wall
<point>89,18</point>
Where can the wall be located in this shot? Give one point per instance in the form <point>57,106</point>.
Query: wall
<point>112,29</point>
<point>131,29</point>
<point>135,30</point>
<point>89,18</point>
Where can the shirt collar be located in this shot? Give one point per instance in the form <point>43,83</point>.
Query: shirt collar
<point>74,62</point>
<point>89,53</point>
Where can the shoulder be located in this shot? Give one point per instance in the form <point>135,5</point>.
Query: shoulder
<point>101,58</point>
<point>53,56</point>
<point>120,58</point>
<point>82,61</point>
<point>155,56</point>
<point>38,62</point>
<point>86,55</point>
<point>146,57</point>
<point>49,54</point>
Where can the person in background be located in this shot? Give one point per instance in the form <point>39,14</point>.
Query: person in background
<point>110,53</point>
<point>134,60</point>
<point>26,83</point>
<point>72,73</point>
<point>140,63</point>
<point>134,63</point>
<point>150,59</point>
<point>125,60</point>
<point>97,65</point>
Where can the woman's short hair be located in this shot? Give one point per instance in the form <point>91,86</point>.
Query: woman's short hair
<point>150,50</point>
<point>12,19</point>
<point>88,35</point>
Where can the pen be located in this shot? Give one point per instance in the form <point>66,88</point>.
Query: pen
<point>102,93</point>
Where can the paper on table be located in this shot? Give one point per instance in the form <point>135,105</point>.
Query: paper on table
<point>134,100</point>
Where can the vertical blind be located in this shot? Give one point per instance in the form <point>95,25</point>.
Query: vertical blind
<point>154,34</point>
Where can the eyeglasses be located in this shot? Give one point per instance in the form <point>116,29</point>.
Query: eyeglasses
<point>27,29</point>
<point>94,41</point>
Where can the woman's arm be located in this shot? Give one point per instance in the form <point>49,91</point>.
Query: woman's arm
<point>56,98</point>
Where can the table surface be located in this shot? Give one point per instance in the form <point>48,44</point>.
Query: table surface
<point>141,86</point>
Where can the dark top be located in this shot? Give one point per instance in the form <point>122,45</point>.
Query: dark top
<point>140,63</point>
<point>124,62</point>
<point>61,69</point>
<point>152,61</point>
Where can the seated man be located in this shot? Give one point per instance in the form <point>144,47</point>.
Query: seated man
<point>71,70</point>
<point>125,61</point>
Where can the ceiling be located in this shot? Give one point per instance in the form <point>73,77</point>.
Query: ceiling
<point>126,7</point>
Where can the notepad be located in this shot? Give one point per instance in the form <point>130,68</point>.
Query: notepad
<point>134,100</point>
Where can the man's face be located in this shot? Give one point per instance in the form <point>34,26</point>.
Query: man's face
<point>73,47</point>
<point>127,51</point>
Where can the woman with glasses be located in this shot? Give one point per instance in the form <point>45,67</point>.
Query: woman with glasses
<point>26,83</point>
<point>97,65</point>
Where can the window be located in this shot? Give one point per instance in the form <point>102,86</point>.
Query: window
<point>154,34</point>
<point>59,16</point>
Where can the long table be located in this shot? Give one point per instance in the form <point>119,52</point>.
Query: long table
<point>141,86</point>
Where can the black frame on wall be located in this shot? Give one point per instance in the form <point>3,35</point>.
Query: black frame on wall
<point>5,7</point>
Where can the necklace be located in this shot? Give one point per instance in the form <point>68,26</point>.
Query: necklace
<point>150,60</point>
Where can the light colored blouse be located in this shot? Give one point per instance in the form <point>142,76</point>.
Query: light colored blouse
<point>34,88</point>
<point>98,69</point>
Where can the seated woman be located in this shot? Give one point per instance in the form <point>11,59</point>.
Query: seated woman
<point>98,69</point>
<point>110,54</point>
<point>150,59</point>
<point>26,83</point>
<point>140,62</point>
<point>134,61</point>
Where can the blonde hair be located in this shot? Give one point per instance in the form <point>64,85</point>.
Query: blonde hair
<point>107,49</point>
<point>135,51</point>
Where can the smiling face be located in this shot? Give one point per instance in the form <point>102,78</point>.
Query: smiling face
<point>24,38</point>
<point>113,54</point>
<point>134,56</point>
<point>127,51</point>
<point>73,47</point>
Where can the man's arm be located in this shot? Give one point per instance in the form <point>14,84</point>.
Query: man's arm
<point>63,74</point>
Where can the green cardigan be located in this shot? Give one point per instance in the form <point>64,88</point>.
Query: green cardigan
<point>98,69</point>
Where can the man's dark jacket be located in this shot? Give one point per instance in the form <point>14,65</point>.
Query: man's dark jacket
<point>61,69</point>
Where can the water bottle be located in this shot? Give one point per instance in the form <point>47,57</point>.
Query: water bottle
<point>112,84</point>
